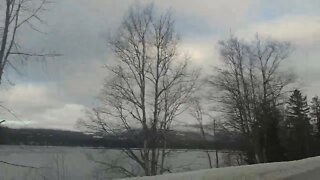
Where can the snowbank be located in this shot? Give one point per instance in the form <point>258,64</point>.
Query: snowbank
<point>267,171</point>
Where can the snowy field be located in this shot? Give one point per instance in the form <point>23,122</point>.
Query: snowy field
<point>306,169</point>
<point>77,163</point>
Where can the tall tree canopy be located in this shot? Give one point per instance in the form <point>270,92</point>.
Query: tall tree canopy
<point>148,87</point>
<point>251,87</point>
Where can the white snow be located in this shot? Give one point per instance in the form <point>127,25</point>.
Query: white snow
<point>267,171</point>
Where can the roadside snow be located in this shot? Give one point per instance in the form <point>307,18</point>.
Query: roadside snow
<point>267,171</point>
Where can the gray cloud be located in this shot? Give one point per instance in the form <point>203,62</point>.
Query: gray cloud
<point>54,94</point>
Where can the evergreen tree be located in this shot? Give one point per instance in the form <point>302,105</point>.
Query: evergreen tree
<point>298,126</point>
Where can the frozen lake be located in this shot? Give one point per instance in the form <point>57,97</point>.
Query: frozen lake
<point>79,163</point>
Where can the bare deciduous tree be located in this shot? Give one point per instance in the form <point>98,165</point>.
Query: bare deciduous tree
<point>14,15</point>
<point>148,86</point>
<point>251,86</point>
<point>211,127</point>
<point>214,129</point>
<point>197,113</point>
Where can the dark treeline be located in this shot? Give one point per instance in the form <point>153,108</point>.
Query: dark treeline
<point>50,137</point>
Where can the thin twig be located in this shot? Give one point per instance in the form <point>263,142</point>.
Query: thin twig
<point>18,165</point>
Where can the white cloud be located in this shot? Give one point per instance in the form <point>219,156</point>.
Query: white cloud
<point>202,52</point>
<point>296,29</point>
<point>303,31</point>
<point>28,97</point>
<point>64,117</point>
<point>35,107</point>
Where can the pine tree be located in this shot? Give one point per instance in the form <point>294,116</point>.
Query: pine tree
<point>315,112</point>
<point>298,126</point>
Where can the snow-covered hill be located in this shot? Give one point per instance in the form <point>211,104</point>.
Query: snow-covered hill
<point>269,171</point>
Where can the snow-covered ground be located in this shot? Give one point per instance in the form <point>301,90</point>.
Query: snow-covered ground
<point>307,169</point>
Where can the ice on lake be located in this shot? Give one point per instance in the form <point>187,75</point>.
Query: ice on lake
<point>80,163</point>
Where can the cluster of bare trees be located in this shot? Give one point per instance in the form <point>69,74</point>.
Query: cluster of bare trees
<point>251,87</point>
<point>151,82</point>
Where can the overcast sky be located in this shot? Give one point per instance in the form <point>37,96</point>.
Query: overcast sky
<point>54,94</point>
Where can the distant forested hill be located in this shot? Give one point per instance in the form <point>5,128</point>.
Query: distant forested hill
<point>53,137</point>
